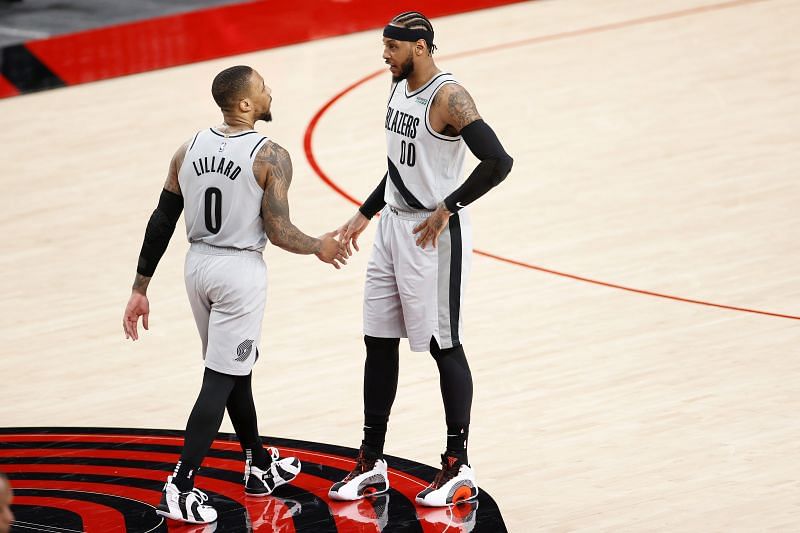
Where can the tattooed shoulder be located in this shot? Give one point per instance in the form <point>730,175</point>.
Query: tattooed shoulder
<point>277,161</point>
<point>172,184</point>
<point>461,109</point>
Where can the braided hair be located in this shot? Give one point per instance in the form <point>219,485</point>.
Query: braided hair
<point>414,20</point>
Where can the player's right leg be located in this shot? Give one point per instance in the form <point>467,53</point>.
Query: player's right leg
<point>370,476</point>
<point>383,327</point>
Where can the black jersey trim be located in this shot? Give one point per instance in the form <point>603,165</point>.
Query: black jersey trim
<point>193,141</point>
<point>256,146</point>
<point>405,89</point>
<point>456,259</point>
<point>427,107</point>
<point>391,95</point>
<point>397,180</point>
<point>218,134</point>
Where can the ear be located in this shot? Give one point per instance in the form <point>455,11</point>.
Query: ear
<point>245,105</point>
<point>419,47</point>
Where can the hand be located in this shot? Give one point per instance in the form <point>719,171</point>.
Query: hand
<point>331,251</point>
<point>433,226</point>
<point>350,231</point>
<point>138,306</point>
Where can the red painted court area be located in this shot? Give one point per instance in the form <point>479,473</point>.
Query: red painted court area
<point>110,480</point>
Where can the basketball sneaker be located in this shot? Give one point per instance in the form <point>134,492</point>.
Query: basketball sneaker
<point>258,482</point>
<point>186,506</point>
<point>369,477</point>
<point>460,517</point>
<point>455,482</point>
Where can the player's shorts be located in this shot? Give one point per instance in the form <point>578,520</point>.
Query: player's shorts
<point>227,291</point>
<point>414,292</point>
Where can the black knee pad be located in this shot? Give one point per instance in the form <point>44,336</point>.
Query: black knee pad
<point>455,354</point>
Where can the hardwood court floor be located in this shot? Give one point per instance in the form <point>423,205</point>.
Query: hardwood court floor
<point>656,147</point>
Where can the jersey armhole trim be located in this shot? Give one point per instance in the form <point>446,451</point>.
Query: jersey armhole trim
<point>253,151</point>
<point>427,115</point>
<point>193,141</point>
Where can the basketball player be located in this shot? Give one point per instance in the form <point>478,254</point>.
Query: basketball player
<point>6,496</point>
<point>233,184</point>
<point>421,257</point>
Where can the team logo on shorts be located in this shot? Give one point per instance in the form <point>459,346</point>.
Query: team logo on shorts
<point>243,350</point>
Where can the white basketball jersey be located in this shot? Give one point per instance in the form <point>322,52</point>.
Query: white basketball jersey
<point>424,166</point>
<point>221,197</point>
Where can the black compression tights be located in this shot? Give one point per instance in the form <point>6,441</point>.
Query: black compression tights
<point>455,382</point>
<point>218,392</point>
<point>380,386</point>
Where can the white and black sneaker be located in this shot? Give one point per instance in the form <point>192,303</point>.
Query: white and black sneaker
<point>369,477</point>
<point>454,483</point>
<point>186,506</point>
<point>258,482</point>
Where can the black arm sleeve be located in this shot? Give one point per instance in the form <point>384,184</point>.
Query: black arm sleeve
<point>159,231</point>
<point>375,202</point>
<point>494,166</point>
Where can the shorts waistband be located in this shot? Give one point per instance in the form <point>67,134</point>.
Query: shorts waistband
<point>408,215</point>
<point>210,249</point>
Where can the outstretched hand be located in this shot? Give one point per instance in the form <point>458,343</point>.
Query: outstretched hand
<point>331,251</point>
<point>350,231</point>
<point>428,230</point>
<point>138,306</point>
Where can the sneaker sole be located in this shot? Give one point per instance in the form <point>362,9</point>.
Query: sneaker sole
<point>459,497</point>
<point>180,518</point>
<point>263,493</point>
<point>366,494</point>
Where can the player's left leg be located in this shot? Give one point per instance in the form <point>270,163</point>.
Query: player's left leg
<point>264,470</point>
<point>179,499</point>
<point>455,481</point>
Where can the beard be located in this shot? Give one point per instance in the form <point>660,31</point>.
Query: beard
<point>405,69</point>
<point>266,116</point>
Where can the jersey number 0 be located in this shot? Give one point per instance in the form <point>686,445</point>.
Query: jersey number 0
<point>213,209</point>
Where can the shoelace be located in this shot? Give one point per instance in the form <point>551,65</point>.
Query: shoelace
<point>445,474</point>
<point>202,496</point>
<point>273,453</point>
<point>362,465</point>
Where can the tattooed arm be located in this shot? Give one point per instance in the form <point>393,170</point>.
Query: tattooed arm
<point>274,161</point>
<point>454,113</point>
<point>275,206</point>
<point>453,109</point>
<point>157,235</point>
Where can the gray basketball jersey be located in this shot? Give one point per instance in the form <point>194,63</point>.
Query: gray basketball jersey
<point>424,166</point>
<point>222,199</point>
